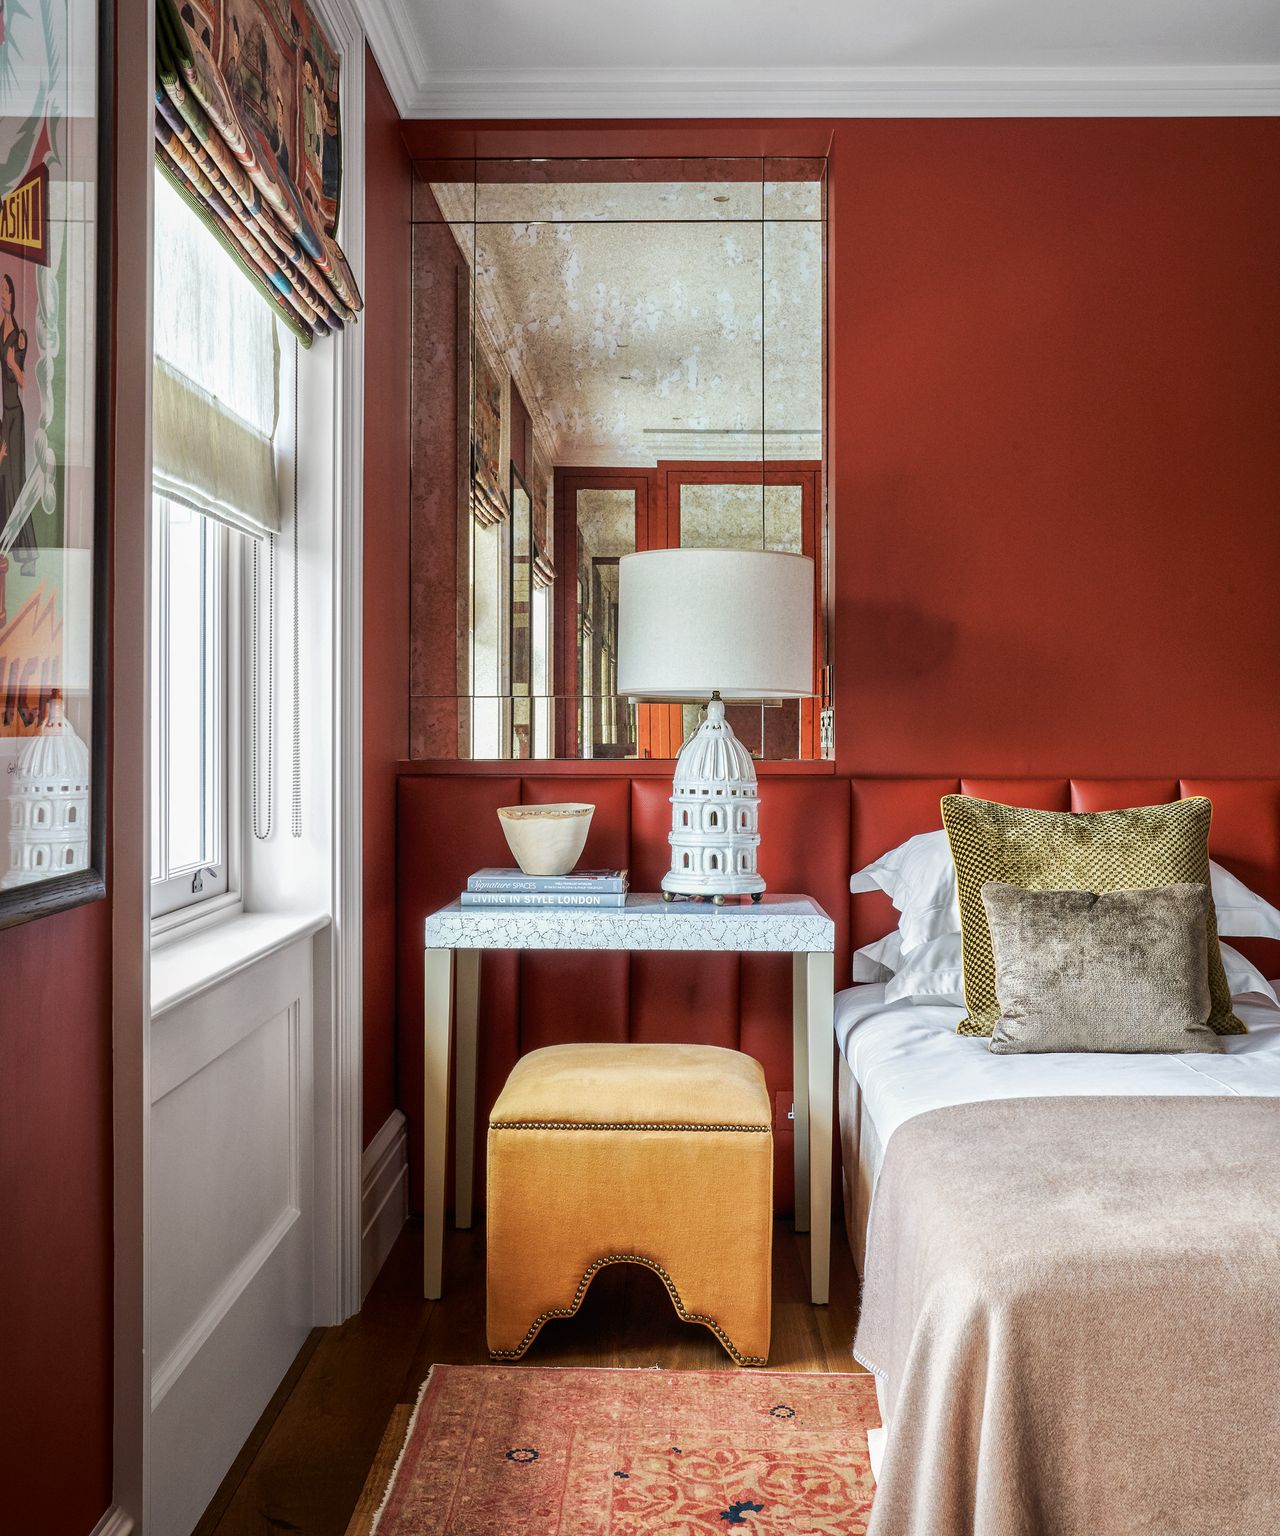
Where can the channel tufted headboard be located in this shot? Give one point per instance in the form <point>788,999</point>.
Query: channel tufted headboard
<point>816,829</point>
<point>1245,836</point>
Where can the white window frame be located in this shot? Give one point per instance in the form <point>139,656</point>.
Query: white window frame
<point>202,893</point>
<point>540,642</point>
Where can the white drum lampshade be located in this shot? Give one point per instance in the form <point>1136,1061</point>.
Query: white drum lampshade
<point>729,624</point>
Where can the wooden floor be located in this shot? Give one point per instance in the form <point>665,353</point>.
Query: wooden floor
<point>338,1420</point>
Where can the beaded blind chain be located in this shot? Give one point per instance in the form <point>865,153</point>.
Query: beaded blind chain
<point>296,786</point>
<point>262,733</point>
<point>262,798</point>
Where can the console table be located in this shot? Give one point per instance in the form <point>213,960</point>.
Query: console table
<point>457,935</point>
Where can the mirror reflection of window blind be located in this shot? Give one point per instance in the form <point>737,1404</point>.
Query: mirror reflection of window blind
<point>216,377</point>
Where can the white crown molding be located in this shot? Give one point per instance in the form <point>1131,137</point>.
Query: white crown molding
<point>1243,90</point>
<point>392,34</point>
<point>1192,90</point>
<point>713,443</point>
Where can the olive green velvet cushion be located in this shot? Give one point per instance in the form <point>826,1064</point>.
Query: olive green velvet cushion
<point>1091,851</point>
<point>1121,971</point>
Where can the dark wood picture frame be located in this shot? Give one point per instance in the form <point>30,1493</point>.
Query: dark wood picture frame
<point>58,893</point>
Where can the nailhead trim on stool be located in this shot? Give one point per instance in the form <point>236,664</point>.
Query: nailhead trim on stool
<point>605,1125</point>
<point>634,1258</point>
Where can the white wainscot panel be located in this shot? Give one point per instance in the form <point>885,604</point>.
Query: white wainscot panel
<point>231,1222</point>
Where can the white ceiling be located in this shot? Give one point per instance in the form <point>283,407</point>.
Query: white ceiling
<point>603,58</point>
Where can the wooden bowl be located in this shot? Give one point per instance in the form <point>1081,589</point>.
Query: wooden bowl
<point>546,839</point>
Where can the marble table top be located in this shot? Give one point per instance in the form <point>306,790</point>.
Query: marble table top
<point>775,925</point>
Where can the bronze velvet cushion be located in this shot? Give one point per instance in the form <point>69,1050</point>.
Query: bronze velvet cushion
<point>1073,851</point>
<point>1120,971</point>
<point>659,1155</point>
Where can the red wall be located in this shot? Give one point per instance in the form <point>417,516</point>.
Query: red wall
<point>386,573</point>
<point>55,1217</point>
<point>440,464</point>
<point>1054,468</point>
<point>1054,446</point>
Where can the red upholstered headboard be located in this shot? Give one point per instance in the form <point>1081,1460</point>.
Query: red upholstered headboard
<point>1245,836</point>
<point>816,829</point>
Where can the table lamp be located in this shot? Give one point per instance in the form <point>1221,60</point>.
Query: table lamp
<point>732,624</point>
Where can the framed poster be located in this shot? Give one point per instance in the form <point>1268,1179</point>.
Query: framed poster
<point>55,295</point>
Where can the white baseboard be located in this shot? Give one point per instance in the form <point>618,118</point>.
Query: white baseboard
<point>114,1523</point>
<point>384,1196</point>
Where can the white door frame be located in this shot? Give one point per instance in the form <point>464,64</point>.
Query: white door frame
<point>340,1069</point>
<point>339,1032</point>
<point>130,857</point>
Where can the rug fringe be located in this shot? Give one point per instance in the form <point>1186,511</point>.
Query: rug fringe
<point>395,1471</point>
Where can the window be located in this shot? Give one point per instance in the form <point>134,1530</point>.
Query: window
<point>489,711</point>
<point>190,810</point>
<point>215,410</point>
<point>542,700</point>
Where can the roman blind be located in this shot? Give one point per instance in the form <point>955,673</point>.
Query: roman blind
<point>215,384</point>
<point>248,127</point>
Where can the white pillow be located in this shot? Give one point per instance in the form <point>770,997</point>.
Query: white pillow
<point>1245,979</point>
<point>933,971</point>
<point>878,961</point>
<point>1241,912</point>
<point>919,877</point>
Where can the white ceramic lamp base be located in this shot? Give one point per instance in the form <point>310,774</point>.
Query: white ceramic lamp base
<point>715,815</point>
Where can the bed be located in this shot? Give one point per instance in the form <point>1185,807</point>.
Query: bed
<point>1071,1264</point>
<point>1079,1332</point>
<point>903,1059</point>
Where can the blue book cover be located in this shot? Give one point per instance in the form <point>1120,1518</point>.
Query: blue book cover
<point>544,898</point>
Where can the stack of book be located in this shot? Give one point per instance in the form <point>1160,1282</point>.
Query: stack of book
<point>513,888</point>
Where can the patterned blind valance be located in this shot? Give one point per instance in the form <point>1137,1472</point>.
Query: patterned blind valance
<point>247,126</point>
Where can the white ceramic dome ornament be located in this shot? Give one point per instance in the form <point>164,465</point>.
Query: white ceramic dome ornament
<point>715,815</point>
<point>49,803</point>
<point>735,624</point>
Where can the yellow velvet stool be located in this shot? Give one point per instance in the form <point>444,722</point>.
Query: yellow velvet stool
<point>660,1155</point>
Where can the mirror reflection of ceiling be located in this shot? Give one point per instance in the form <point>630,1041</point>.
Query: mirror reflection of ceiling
<point>654,320</point>
<point>607,522</point>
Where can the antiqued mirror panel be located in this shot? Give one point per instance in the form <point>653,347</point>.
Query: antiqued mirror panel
<point>609,356</point>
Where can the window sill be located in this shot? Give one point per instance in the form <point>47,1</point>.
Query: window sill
<point>184,967</point>
<point>182,922</point>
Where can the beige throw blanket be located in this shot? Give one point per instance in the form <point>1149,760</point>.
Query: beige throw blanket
<point>1073,1305</point>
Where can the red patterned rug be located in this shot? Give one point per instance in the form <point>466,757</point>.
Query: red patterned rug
<point>541,1451</point>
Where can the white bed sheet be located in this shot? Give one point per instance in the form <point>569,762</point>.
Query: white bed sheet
<point>907,1059</point>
